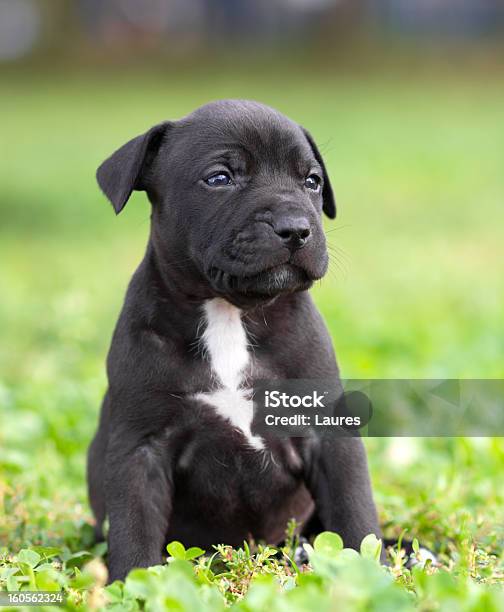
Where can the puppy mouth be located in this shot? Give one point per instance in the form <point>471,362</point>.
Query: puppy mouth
<point>267,284</point>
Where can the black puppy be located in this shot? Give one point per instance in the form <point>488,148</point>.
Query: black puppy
<point>219,300</point>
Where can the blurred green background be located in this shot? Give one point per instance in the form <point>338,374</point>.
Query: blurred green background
<point>414,142</point>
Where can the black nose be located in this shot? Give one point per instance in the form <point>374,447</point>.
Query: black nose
<point>294,231</point>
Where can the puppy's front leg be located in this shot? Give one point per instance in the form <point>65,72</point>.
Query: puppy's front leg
<point>139,502</point>
<point>337,476</point>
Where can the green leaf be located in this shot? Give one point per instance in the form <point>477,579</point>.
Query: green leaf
<point>78,559</point>
<point>176,550</point>
<point>370,547</point>
<point>12,583</point>
<point>328,544</point>
<point>7,572</point>
<point>180,567</point>
<point>46,552</point>
<point>100,549</point>
<point>140,583</point>
<point>348,554</point>
<point>308,548</point>
<point>193,553</point>
<point>47,581</point>
<point>30,557</point>
<point>82,581</point>
<point>415,545</point>
<point>114,592</point>
<point>42,567</point>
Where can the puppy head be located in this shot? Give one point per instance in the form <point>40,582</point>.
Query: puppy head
<point>237,192</point>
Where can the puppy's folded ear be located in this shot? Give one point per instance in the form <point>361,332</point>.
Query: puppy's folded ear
<point>128,168</point>
<point>329,203</point>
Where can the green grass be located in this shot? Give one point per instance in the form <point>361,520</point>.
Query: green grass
<point>417,290</point>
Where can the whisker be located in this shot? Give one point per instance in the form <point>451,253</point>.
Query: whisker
<point>341,265</point>
<point>337,229</point>
<point>339,251</point>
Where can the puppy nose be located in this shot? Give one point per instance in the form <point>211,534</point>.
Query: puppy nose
<point>294,231</point>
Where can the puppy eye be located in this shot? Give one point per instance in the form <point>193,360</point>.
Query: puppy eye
<point>221,179</point>
<point>313,182</point>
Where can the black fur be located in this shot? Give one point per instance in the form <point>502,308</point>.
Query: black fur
<point>164,465</point>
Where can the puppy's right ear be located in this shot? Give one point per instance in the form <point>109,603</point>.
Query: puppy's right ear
<point>128,168</point>
<point>329,203</point>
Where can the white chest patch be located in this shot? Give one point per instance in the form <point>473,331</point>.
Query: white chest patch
<point>226,347</point>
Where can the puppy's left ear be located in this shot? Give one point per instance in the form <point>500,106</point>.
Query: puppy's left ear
<point>329,203</point>
<point>128,168</point>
